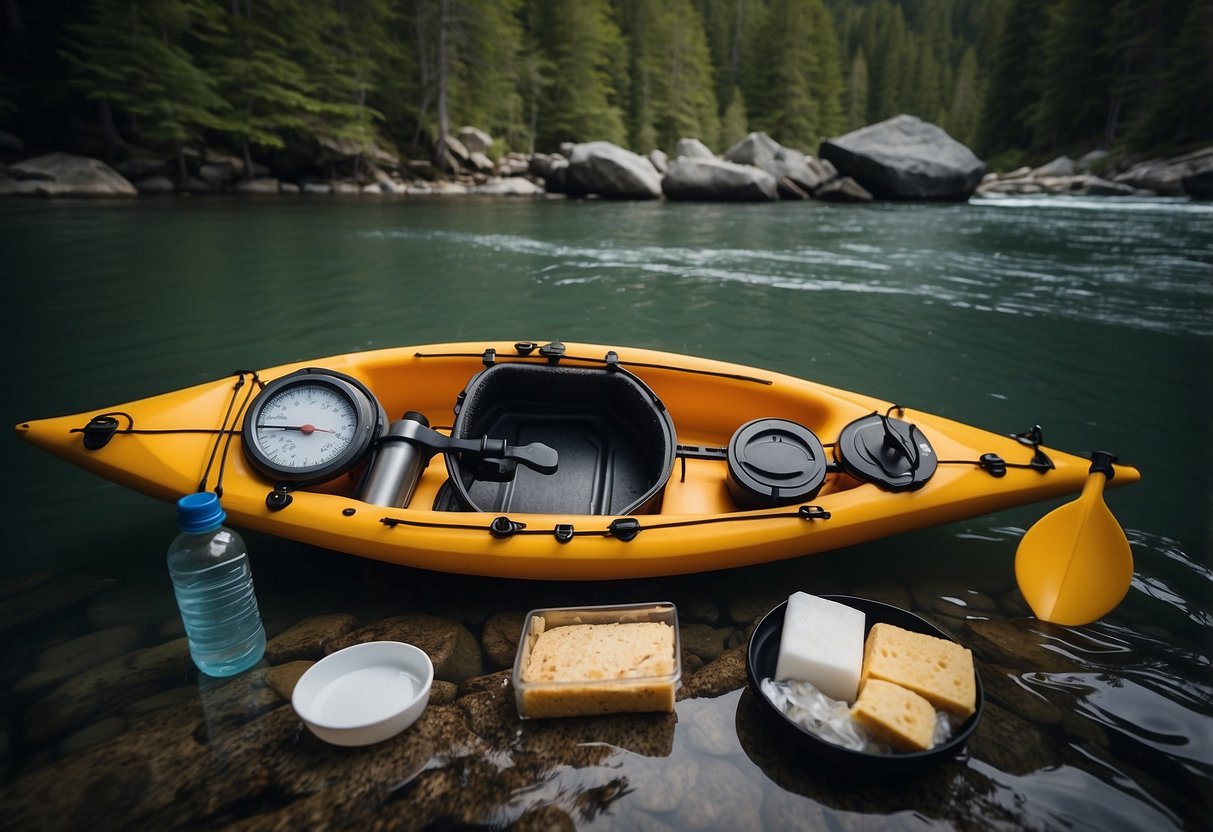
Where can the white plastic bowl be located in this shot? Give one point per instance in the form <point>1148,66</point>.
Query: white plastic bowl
<point>365,693</point>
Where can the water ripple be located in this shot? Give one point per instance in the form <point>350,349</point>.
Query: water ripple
<point>1142,264</point>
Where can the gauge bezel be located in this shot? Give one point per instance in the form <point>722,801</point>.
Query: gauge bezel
<point>370,417</point>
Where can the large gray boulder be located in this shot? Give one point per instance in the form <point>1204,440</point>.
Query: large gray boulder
<point>62,174</point>
<point>842,189</point>
<point>606,169</point>
<point>795,172</point>
<point>906,158</point>
<point>475,140</point>
<point>1166,176</point>
<point>692,149</point>
<point>712,180</point>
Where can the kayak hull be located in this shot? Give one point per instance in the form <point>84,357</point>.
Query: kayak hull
<point>175,443</point>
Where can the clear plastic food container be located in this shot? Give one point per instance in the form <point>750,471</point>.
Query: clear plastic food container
<point>601,666</point>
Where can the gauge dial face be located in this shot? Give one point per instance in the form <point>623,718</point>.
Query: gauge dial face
<point>306,425</point>
<point>310,426</point>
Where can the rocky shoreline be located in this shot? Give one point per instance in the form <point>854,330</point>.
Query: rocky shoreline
<point>107,714</point>
<point>903,158</point>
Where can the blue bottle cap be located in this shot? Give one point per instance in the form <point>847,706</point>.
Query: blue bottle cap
<point>200,512</point>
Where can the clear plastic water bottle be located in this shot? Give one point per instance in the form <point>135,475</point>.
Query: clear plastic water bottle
<point>213,582</point>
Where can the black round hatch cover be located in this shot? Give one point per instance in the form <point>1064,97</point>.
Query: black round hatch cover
<point>891,453</point>
<point>775,462</point>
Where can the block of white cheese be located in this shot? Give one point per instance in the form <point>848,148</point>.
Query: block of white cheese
<point>822,644</point>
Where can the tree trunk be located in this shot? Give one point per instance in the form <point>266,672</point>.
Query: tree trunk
<point>113,141</point>
<point>443,127</point>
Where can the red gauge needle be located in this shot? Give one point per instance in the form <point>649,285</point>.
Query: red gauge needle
<point>304,429</point>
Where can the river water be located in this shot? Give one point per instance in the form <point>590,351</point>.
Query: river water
<point>1091,318</point>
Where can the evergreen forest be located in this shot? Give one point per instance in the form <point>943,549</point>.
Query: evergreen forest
<point>1014,79</point>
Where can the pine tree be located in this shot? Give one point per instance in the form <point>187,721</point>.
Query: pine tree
<point>964,111</point>
<point>1016,79</point>
<point>729,26</point>
<point>1179,111</point>
<point>138,57</point>
<point>487,41</point>
<point>797,92</point>
<point>672,86</point>
<point>1070,104</point>
<point>857,92</point>
<point>266,89</point>
<point>580,42</point>
<point>888,58</point>
<point>733,126</point>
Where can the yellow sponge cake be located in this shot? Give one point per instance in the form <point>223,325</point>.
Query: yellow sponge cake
<point>899,716</point>
<point>939,670</point>
<point>581,669</point>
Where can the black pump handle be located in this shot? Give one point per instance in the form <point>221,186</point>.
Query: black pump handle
<point>536,456</point>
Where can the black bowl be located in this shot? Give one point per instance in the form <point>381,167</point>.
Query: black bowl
<point>760,664</point>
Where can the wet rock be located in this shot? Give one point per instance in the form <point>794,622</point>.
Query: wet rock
<point>443,693</point>
<point>475,140</point>
<point>1017,643</point>
<point>698,610</point>
<point>283,678</point>
<point>452,649</point>
<point>63,174</point>
<point>793,171</point>
<point>310,638</point>
<point>105,688</point>
<point>906,158</point>
<point>100,731</point>
<point>452,154</point>
<point>545,818</point>
<point>843,189</point>
<point>587,740</point>
<point>692,149</point>
<point>55,664</point>
<point>491,713</point>
<point>662,785</point>
<point>1010,743</point>
<point>217,175</point>
<point>1003,687</point>
<point>1061,166</point>
<point>690,663</point>
<point>1166,176</point>
<point>260,185</point>
<point>717,181</point>
<point>607,170</point>
<point>705,642</point>
<point>508,186</point>
<point>133,604</point>
<point>500,638</point>
<point>155,186</point>
<point>730,806</point>
<point>748,605</point>
<point>700,725</point>
<point>785,810</point>
<point>171,699</point>
<point>724,674</point>
<point>49,597</point>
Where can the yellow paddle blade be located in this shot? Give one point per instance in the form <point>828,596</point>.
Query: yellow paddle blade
<point>1074,566</point>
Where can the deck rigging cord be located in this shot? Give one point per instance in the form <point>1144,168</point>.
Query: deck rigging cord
<point>104,426</point>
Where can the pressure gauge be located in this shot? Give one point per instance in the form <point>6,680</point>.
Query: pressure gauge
<point>311,426</point>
